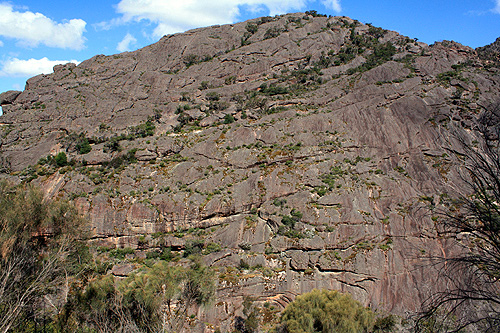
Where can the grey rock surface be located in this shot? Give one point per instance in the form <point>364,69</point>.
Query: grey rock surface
<point>203,136</point>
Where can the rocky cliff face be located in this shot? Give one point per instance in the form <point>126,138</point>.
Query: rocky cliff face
<point>490,53</point>
<point>303,146</point>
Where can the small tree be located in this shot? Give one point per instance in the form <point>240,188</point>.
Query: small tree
<point>82,145</point>
<point>155,299</point>
<point>251,322</point>
<point>472,221</point>
<point>61,159</point>
<point>39,249</point>
<point>326,311</point>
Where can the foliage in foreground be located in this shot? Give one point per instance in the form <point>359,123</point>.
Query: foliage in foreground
<point>156,299</point>
<point>329,312</point>
<point>38,251</point>
<point>50,279</point>
<point>472,221</point>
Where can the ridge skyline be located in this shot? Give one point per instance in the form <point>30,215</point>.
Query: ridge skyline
<point>34,36</point>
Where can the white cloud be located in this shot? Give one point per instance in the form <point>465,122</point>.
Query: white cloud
<point>107,25</point>
<point>1,43</point>
<point>497,7</point>
<point>172,16</point>
<point>334,5</point>
<point>23,68</point>
<point>125,44</point>
<point>32,29</point>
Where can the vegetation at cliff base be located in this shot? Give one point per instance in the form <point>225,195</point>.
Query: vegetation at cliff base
<point>330,311</point>
<point>51,279</point>
<point>39,250</point>
<point>153,299</point>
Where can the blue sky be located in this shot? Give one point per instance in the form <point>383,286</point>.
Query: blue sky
<point>37,34</point>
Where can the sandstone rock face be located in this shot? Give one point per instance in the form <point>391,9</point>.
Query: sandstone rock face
<point>303,160</point>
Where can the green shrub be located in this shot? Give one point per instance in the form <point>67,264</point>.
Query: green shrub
<point>61,159</point>
<point>213,96</point>
<point>243,265</point>
<point>376,31</point>
<point>320,190</point>
<point>122,160</point>
<point>183,120</point>
<point>83,147</point>
<point>218,105</point>
<point>297,215</point>
<point>381,54</point>
<point>211,247</point>
<point>384,324</point>
<point>251,322</point>
<point>265,19</point>
<point>279,202</point>
<point>165,253</point>
<point>252,28</point>
<point>290,221</point>
<point>244,40</point>
<point>314,13</point>
<point>292,233</point>
<point>272,32</point>
<point>230,80</point>
<point>191,59</point>
<point>228,119</point>
<point>273,89</point>
<point>327,311</point>
<point>204,85</point>
<point>142,130</point>
<point>141,300</point>
<point>120,253</point>
<point>245,246</point>
<point>329,179</point>
<point>345,55</point>
<point>112,145</point>
<point>193,247</point>
<point>42,247</point>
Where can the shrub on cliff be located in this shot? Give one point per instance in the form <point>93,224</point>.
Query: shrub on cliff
<point>61,159</point>
<point>83,146</point>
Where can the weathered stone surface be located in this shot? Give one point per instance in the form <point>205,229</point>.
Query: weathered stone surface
<point>145,155</point>
<point>9,97</point>
<point>347,151</point>
<point>96,157</point>
<point>122,270</point>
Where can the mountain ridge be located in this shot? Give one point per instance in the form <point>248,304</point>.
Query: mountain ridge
<point>304,146</point>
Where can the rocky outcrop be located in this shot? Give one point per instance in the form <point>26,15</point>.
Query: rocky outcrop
<point>490,53</point>
<point>304,146</point>
<point>9,97</point>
